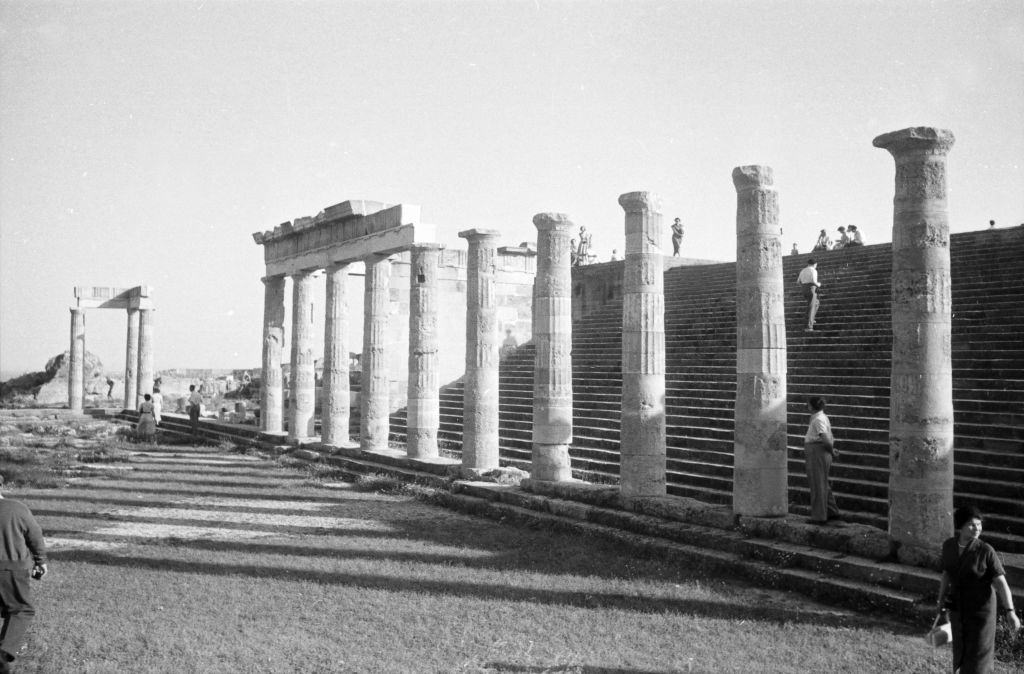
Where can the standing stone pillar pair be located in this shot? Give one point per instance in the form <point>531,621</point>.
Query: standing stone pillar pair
<point>760,475</point>
<point>921,388</point>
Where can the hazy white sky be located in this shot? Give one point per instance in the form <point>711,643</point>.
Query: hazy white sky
<point>143,142</point>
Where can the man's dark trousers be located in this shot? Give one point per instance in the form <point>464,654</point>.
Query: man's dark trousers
<point>193,417</point>
<point>811,295</point>
<point>16,606</point>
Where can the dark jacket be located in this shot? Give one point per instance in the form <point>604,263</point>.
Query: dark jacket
<point>21,539</point>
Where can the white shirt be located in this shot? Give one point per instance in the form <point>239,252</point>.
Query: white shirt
<point>857,237</point>
<point>808,275</point>
<point>819,429</point>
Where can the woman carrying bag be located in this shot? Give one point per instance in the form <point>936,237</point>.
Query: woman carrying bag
<point>972,580</point>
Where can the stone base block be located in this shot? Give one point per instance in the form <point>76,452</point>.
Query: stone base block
<point>306,454</point>
<point>341,447</point>
<point>929,558</point>
<point>575,490</point>
<point>506,475</point>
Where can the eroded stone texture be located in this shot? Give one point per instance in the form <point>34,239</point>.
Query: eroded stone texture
<point>642,438</point>
<point>303,373</point>
<point>76,361</point>
<point>145,371</point>
<point>483,345</point>
<point>921,412</point>
<point>552,335</point>
<point>334,416</point>
<point>760,469</point>
<point>131,360</point>
<point>272,388</point>
<point>375,394</point>
<point>423,388</point>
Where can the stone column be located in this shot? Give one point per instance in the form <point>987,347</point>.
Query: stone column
<point>145,355</point>
<point>76,361</point>
<point>272,386</point>
<point>552,336</point>
<point>921,389</point>
<point>303,373</point>
<point>483,350</point>
<point>131,361</point>
<point>760,476</point>
<point>424,402</point>
<point>334,417</point>
<point>375,394</point>
<point>643,350</point>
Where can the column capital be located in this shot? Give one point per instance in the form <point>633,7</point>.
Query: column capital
<point>76,310</point>
<point>479,235</point>
<point>273,279</point>
<point>545,222</point>
<point>644,202</point>
<point>752,177</point>
<point>916,138</point>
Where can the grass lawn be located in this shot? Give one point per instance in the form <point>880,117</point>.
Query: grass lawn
<point>202,560</point>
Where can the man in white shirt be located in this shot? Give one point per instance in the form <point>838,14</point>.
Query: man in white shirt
<point>819,450</point>
<point>808,280</point>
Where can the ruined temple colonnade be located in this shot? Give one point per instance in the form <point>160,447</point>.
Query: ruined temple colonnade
<point>138,371</point>
<point>921,457</point>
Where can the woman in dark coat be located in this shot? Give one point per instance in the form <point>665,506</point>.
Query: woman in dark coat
<point>972,580</point>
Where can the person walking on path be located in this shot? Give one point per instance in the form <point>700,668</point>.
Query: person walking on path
<point>195,404</point>
<point>972,580</point>
<point>22,557</point>
<point>146,428</point>
<point>677,237</point>
<point>158,404</point>
<point>808,280</point>
<point>819,450</point>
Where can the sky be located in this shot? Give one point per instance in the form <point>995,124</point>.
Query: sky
<point>144,142</point>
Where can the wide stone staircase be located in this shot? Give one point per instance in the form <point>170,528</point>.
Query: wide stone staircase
<point>847,360</point>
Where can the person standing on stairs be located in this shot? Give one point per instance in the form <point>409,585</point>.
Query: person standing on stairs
<point>808,280</point>
<point>819,450</point>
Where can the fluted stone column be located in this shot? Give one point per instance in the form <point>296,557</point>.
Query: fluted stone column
<point>76,361</point>
<point>921,389</point>
<point>145,355</point>
<point>131,361</point>
<point>552,336</point>
<point>303,373</point>
<point>272,388</point>
<point>374,394</point>
<point>424,402</point>
<point>334,417</point>
<point>483,345</point>
<point>642,443</point>
<point>760,474</point>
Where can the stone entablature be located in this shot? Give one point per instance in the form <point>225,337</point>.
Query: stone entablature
<point>340,234</point>
<point>106,297</point>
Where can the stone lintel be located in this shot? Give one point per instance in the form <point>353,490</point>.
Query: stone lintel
<point>103,297</point>
<point>914,138</point>
<point>384,243</point>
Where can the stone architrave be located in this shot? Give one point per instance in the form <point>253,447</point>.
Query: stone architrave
<point>145,372</point>
<point>272,386</point>
<point>423,387</point>
<point>552,336</point>
<point>336,395</point>
<point>76,361</point>
<point>921,395</point>
<point>303,373</point>
<point>483,350</point>
<point>375,394</point>
<point>643,350</point>
<point>760,475</point>
<point>131,364</point>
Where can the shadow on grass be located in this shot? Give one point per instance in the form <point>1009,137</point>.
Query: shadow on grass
<point>133,477</point>
<point>487,592</point>
<point>571,669</point>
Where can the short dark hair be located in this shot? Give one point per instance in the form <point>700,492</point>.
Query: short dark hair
<point>965,514</point>
<point>817,403</point>
<point>811,261</point>
<point>148,397</point>
<point>192,387</point>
